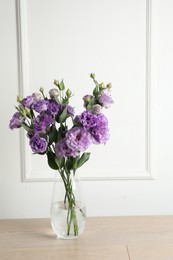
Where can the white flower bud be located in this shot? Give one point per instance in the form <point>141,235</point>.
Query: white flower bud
<point>54,92</point>
<point>37,96</point>
<point>96,109</point>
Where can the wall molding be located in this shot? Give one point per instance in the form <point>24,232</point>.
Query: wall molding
<point>27,172</point>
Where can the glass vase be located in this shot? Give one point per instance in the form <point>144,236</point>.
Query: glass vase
<point>68,211</point>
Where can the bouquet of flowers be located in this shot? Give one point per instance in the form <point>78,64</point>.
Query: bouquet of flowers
<point>45,119</point>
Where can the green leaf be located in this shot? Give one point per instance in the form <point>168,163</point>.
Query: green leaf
<point>57,100</point>
<point>91,103</point>
<point>61,132</point>
<point>53,136</point>
<point>96,91</point>
<point>63,116</point>
<point>59,161</point>
<point>32,113</point>
<point>69,163</point>
<point>72,163</point>
<point>85,157</point>
<point>65,100</point>
<point>27,128</point>
<point>51,160</point>
<point>75,162</point>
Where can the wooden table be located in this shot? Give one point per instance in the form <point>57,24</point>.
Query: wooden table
<point>108,238</point>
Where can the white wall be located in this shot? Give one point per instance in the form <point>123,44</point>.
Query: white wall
<point>136,176</point>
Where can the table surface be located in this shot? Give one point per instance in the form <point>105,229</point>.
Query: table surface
<point>108,238</point>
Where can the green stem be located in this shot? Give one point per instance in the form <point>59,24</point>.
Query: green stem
<point>71,215</point>
<point>69,201</point>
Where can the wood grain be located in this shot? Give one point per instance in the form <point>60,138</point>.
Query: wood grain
<point>151,251</point>
<point>118,238</point>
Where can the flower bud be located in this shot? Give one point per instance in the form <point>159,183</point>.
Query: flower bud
<point>36,96</point>
<point>87,99</point>
<point>109,85</point>
<point>68,93</point>
<point>92,75</point>
<point>54,92</point>
<point>96,109</point>
<point>102,86</point>
<point>41,89</point>
<point>22,110</point>
<point>105,99</point>
<point>27,111</point>
<point>61,85</point>
<point>56,82</point>
<point>19,99</point>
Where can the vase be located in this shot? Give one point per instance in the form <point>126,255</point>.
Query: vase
<point>68,211</point>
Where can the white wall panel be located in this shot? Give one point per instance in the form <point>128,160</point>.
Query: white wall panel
<point>71,39</point>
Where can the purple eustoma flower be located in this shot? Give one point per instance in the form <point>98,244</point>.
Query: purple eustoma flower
<point>40,105</point>
<point>30,134</point>
<point>38,144</point>
<point>62,150</point>
<point>70,110</point>
<point>16,121</point>
<point>97,125</point>
<point>78,139</point>
<point>100,131</point>
<point>105,98</point>
<point>53,106</point>
<point>28,101</point>
<point>42,121</point>
<point>87,119</point>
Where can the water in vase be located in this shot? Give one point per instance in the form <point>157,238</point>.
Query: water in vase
<point>59,216</point>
